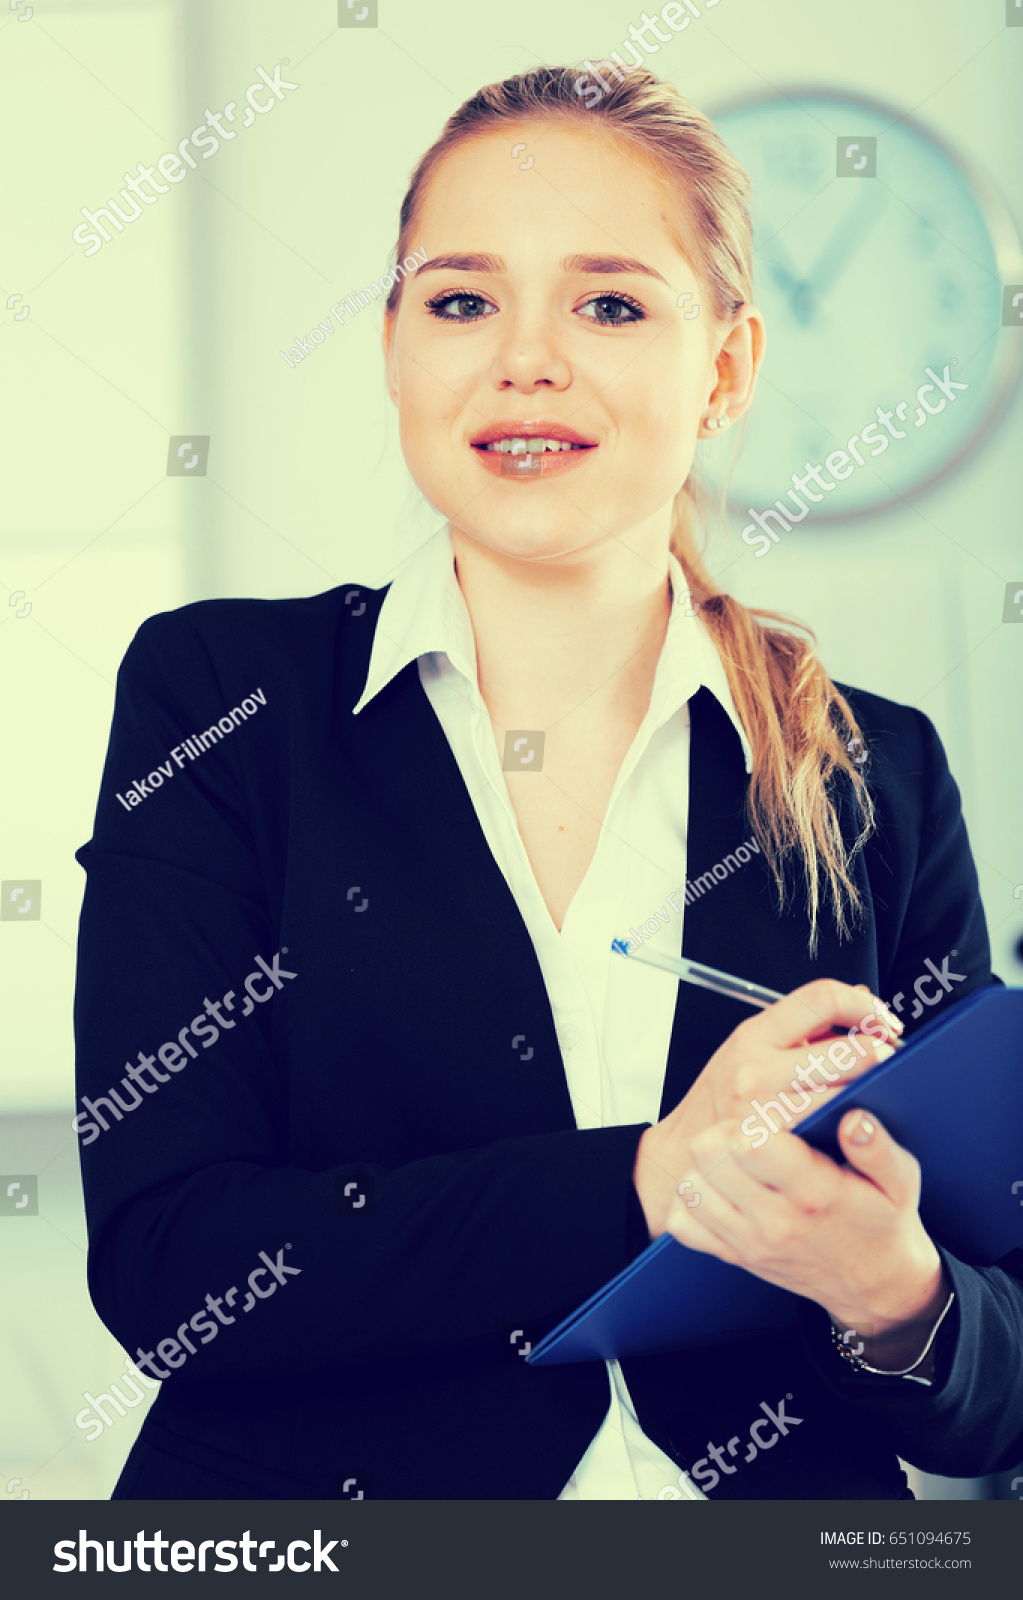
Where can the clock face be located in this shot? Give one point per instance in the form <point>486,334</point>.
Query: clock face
<point>865,280</point>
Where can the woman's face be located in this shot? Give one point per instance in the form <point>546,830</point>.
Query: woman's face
<point>549,308</point>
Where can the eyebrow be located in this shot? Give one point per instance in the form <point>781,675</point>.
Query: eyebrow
<point>577,264</point>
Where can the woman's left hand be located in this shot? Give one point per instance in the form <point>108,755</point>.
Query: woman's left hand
<point>849,1237</point>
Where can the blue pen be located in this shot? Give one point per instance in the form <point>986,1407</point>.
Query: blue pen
<point>706,977</point>
<point>725,983</point>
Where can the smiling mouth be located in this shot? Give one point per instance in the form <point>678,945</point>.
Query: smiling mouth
<point>530,456</point>
<point>519,445</point>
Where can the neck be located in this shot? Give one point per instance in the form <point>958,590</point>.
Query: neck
<point>554,634</point>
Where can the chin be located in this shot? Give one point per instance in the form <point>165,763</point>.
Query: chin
<point>527,538</point>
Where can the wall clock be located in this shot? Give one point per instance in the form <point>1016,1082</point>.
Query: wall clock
<point>865,280</point>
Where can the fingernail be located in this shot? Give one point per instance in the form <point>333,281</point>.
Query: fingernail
<point>863,1131</point>
<point>889,1018</point>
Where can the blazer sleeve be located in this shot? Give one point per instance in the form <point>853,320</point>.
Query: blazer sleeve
<point>969,1422</point>
<point>192,1191</point>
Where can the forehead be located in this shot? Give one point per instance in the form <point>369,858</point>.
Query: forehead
<point>558,185</point>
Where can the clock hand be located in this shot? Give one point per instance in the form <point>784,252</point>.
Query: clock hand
<point>778,248</point>
<point>786,277</point>
<point>781,275</point>
<point>850,237</point>
<point>801,295</point>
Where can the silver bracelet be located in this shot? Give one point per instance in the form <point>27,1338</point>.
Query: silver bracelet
<point>841,1344</point>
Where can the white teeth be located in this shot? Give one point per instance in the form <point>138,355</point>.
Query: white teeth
<point>521,446</point>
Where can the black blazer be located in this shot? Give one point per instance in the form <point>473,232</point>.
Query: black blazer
<point>396,1059</point>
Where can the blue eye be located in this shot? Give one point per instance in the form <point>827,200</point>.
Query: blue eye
<point>609,310</point>
<point>473,307</point>
<point>612,305</point>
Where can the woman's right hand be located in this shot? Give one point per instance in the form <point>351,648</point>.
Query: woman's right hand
<point>771,1051</point>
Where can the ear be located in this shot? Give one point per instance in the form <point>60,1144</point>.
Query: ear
<point>738,363</point>
<point>390,359</point>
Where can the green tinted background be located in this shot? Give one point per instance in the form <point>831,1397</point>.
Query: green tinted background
<point>175,326</point>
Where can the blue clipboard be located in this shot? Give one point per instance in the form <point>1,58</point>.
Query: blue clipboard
<point>953,1095</point>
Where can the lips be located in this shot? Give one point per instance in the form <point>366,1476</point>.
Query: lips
<point>531,428</point>
<point>532,448</point>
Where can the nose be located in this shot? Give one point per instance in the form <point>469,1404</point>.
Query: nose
<point>529,356</point>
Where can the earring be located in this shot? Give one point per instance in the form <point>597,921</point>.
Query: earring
<point>717,422</point>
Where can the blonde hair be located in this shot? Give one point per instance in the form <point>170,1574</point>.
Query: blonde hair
<point>800,728</point>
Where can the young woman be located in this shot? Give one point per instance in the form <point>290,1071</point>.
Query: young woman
<point>409,1109</point>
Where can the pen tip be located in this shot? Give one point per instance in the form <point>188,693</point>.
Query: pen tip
<point>620,946</point>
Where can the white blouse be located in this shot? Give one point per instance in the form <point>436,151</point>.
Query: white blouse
<point>613,1018</point>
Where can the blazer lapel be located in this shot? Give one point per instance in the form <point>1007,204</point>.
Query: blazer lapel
<point>456,898</point>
